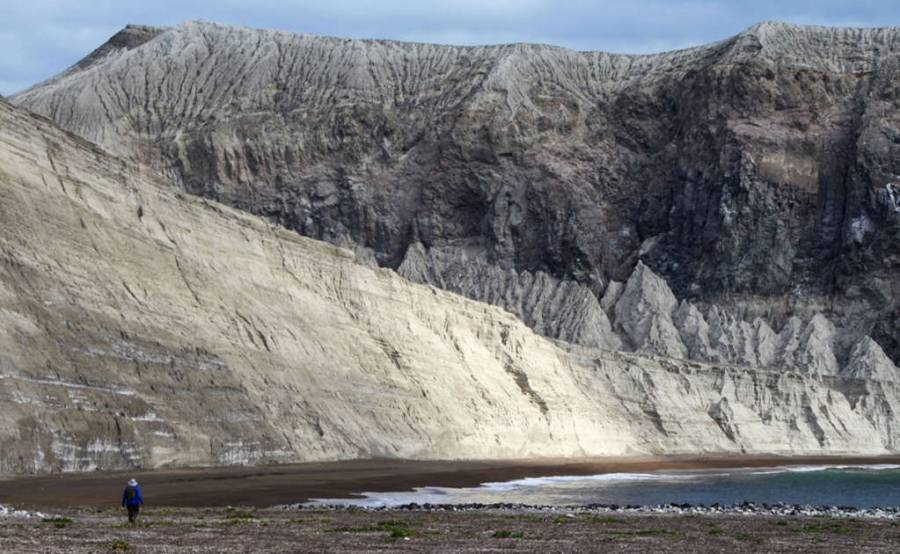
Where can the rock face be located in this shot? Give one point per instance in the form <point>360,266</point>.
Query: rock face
<point>142,327</point>
<point>868,361</point>
<point>644,313</point>
<point>760,174</point>
<point>561,309</point>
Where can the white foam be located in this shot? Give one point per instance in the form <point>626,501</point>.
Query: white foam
<point>868,467</point>
<point>823,467</point>
<point>501,486</point>
<point>560,479</point>
<point>421,495</point>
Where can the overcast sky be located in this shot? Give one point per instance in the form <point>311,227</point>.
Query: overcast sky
<point>39,38</point>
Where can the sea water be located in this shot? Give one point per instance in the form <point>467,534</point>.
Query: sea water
<point>858,486</point>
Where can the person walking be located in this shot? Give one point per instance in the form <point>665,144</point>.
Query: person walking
<point>132,499</point>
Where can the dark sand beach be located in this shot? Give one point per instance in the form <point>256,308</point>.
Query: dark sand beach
<point>287,484</point>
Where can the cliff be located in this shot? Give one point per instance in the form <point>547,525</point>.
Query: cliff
<point>758,176</point>
<point>142,327</point>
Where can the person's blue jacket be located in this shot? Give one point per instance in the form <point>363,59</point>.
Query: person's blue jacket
<point>135,500</point>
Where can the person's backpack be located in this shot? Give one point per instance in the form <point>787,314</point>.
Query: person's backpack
<point>130,493</point>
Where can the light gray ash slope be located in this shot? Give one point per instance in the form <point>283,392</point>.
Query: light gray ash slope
<point>759,175</point>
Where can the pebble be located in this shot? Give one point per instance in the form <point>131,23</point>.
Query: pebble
<point>744,508</point>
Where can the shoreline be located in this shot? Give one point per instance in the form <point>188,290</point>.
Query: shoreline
<point>292,484</point>
<point>759,509</point>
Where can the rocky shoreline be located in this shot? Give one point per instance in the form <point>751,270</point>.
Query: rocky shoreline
<point>744,508</point>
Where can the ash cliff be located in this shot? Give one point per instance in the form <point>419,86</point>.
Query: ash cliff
<point>758,176</point>
<point>144,327</point>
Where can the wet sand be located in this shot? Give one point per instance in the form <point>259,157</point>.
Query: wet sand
<point>287,484</point>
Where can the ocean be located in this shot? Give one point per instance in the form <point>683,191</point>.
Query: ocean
<point>857,486</point>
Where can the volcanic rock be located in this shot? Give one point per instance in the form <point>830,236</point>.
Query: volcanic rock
<point>143,327</point>
<point>760,174</point>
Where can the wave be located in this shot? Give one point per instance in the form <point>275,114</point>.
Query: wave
<point>433,494</point>
<point>675,475</point>
<point>440,495</point>
<point>501,486</point>
<point>826,467</point>
<point>419,495</point>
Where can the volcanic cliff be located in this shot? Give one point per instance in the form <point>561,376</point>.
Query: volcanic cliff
<point>758,176</point>
<point>713,236</point>
<point>142,327</point>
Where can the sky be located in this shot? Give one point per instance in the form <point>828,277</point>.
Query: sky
<point>39,38</point>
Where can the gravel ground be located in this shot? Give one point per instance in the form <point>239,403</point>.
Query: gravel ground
<point>182,530</point>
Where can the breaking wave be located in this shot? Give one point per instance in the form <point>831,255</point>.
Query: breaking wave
<point>574,489</point>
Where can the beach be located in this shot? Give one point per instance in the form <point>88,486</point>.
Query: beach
<point>261,509</point>
<point>266,486</point>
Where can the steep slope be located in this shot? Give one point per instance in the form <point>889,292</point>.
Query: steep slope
<point>143,327</point>
<point>759,175</point>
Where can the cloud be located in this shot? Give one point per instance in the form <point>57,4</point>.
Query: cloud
<point>39,38</point>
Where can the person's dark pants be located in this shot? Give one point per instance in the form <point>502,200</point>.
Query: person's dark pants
<point>133,512</point>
